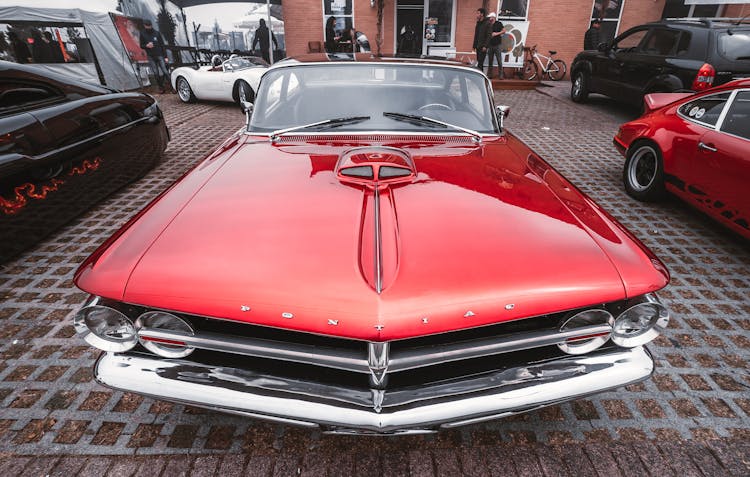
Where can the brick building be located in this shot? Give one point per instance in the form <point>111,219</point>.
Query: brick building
<point>558,25</point>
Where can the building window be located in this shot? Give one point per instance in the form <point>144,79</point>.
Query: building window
<point>342,10</point>
<point>513,9</point>
<point>690,9</point>
<point>608,12</point>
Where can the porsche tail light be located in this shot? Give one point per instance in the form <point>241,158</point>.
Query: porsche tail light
<point>152,324</point>
<point>105,328</point>
<point>640,323</point>
<point>589,342</point>
<point>705,78</point>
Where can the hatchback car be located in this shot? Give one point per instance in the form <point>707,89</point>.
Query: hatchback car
<point>64,145</point>
<point>373,253</point>
<point>665,56</point>
<point>695,146</point>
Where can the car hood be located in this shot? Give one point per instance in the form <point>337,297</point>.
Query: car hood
<point>480,236</point>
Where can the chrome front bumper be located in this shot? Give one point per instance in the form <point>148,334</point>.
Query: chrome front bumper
<point>349,410</point>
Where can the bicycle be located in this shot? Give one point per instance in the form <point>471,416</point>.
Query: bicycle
<point>555,69</point>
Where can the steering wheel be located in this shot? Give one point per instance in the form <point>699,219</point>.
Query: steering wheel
<point>436,106</point>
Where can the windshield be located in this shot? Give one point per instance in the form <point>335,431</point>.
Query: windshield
<point>306,94</point>
<point>240,63</point>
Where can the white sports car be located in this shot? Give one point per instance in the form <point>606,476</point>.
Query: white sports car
<point>234,78</point>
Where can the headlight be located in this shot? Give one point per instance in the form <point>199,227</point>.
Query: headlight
<point>587,342</point>
<point>161,332</point>
<point>105,328</point>
<point>640,323</point>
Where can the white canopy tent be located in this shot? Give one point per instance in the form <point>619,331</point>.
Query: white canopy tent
<point>110,54</point>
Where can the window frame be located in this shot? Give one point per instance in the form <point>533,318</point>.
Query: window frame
<point>725,112</point>
<point>719,121</point>
<point>325,16</point>
<point>617,21</point>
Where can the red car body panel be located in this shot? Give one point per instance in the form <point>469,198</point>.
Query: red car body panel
<point>260,231</point>
<point>714,182</point>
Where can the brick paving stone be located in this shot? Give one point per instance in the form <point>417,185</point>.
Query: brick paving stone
<point>679,459</point>
<point>125,467</point>
<point>704,459</point>
<point>447,463</point>
<point>262,466</point>
<point>652,459</point>
<point>602,460</point>
<point>95,467</point>
<point>286,465</point>
<point>40,466</point>
<point>499,460</point>
<point>178,466</point>
<point>552,463</point>
<point>13,466</point>
<point>232,465</point>
<point>421,464</point>
<point>67,467</point>
<point>473,462</point>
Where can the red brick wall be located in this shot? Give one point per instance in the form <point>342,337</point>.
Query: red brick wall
<point>558,25</point>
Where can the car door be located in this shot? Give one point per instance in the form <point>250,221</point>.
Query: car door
<point>622,66</point>
<point>723,164</point>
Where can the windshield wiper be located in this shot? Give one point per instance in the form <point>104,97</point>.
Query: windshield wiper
<point>425,120</point>
<point>328,123</point>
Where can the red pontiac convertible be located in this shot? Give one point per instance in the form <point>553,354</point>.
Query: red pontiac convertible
<point>696,146</point>
<point>373,253</point>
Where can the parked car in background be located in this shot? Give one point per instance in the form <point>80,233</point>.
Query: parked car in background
<point>374,253</point>
<point>64,145</point>
<point>230,80</point>
<point>696,146</point>
<point>666,56</point>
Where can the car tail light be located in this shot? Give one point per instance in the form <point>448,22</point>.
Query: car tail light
<point>705,78</point>
<point>161,332</point>
<point>105,328</point>
<point>588,342</point>
<point>640,323</point>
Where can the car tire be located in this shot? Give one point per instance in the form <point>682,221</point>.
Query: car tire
<point>244,89</point>
<point>643,174</point>
<point>579,89</point>
<point>184,91</point>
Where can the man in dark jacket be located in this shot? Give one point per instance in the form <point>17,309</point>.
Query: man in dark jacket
<point>152,42</point>
<point>592,37</point>
<point>482,34</point>
<point>261,36</point>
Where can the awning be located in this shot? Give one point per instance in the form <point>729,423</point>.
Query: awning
<point>194,3</point>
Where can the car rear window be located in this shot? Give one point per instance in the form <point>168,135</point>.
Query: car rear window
<point>705,110</point>
<point>735,46</point>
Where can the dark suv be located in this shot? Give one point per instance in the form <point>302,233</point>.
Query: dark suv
<point>666,56</point>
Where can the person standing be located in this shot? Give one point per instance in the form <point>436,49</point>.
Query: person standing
<point>593,36</point>
<point>152,42</point>
<point>495,47</point>
<point>21,51</point>
<point>56,55</point>
<point>261,36</point>
<point>331,38</point>
<point>482,33</point>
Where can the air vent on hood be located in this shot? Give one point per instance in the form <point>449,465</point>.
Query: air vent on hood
<point>375,165</point>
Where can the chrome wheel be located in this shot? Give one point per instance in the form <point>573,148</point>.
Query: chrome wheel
<point>643,168</point>
<point>183,90</point>
<point>577,86</point>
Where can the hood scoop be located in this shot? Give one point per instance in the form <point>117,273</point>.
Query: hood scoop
<point>375,167</point>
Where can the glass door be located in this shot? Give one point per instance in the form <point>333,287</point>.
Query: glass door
<point>438,28</point>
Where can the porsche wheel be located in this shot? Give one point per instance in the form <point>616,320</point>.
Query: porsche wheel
<point>184,91</point>
<point>643,174</point>
<point>579,91</point>
<point>244,91</point>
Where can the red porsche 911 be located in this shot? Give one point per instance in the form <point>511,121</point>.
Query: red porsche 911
<point>696,146</point>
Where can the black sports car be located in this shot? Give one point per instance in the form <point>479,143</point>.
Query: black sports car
<point>64,145</point>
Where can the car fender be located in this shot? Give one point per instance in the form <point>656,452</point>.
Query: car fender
<point>580,64</point>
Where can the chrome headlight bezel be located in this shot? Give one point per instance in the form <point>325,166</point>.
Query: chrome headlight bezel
<point>116,334</point>
<point>155,320</point>
<point>624,334</point>
<point>589,317</point>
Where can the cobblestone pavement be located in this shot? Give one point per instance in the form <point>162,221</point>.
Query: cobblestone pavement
<point>692,418</point>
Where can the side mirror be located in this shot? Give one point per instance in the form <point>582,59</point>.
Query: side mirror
<point>502,112</point>
<point>247,108</point>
